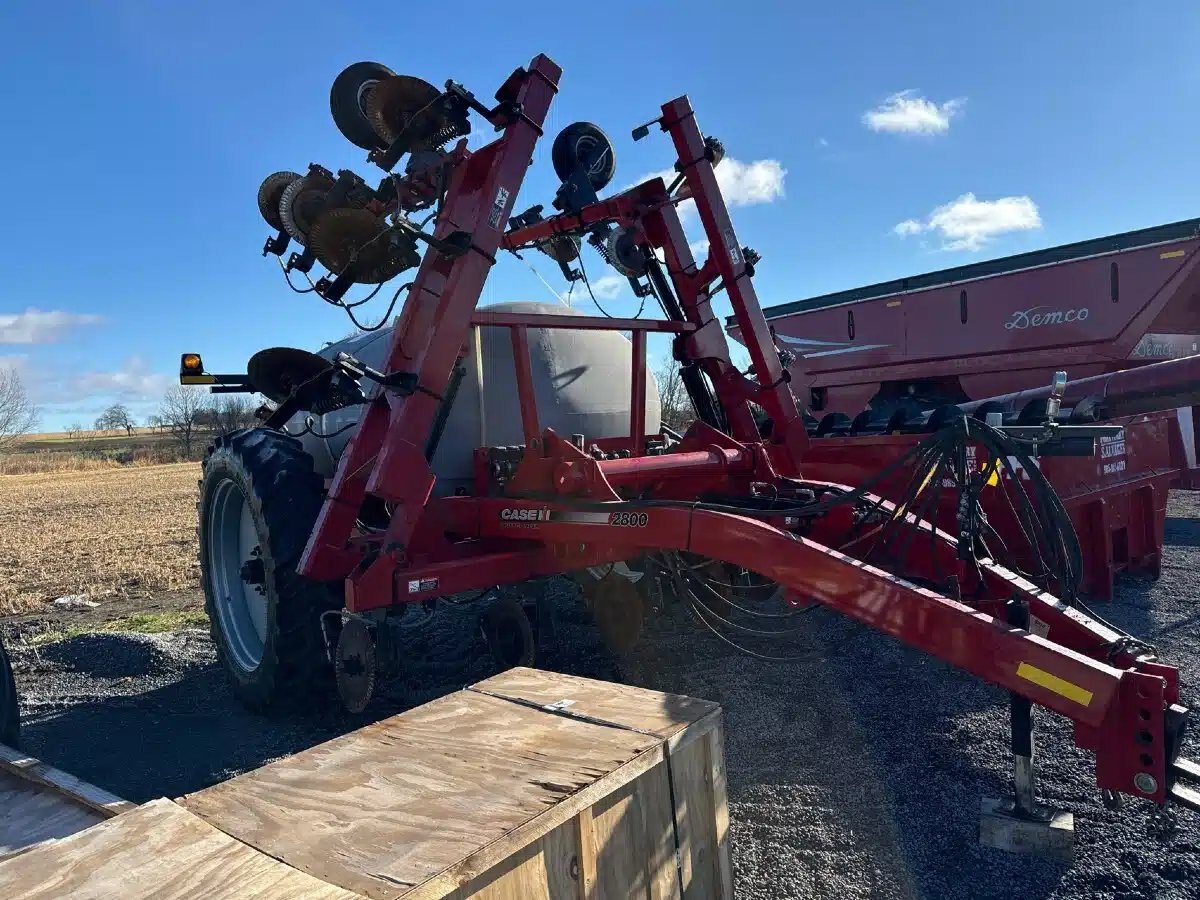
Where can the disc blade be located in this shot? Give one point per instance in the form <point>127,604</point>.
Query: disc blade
<point>406,106</point>
<point>300,204</point>
<point>355,665</point>
<point>276,371</point>
<point>359,244</point>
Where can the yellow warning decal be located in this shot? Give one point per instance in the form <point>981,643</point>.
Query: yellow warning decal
<point>992,471</point>
<point>1060,686</point>
<point>1172,254</point>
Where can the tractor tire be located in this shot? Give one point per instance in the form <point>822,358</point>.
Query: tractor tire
<point>10,714</point>
<point>582,143</point>
<point>259,500</point>
<point>348,103</point>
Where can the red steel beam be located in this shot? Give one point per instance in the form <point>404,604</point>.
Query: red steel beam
<point>714,460</point>
<point>386,454</point>
<point>1081,688</point>
<point>637,396</point>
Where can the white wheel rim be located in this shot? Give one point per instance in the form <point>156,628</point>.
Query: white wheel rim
<point>241,609</point>
<point>364,94</point>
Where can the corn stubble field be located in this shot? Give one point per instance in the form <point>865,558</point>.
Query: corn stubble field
<point>127,532</point>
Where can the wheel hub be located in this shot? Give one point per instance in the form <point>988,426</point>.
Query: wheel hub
<point>254,572</point>
<point>237,574</point>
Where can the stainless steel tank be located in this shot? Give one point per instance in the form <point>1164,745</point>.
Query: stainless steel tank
<point>581,381</point>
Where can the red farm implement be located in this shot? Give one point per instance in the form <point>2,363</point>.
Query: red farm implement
<point>994,327</point>
<point>334,559</point>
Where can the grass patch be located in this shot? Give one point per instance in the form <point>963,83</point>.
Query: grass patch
<point>139,623</point>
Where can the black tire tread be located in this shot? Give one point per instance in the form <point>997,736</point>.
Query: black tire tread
<point>270,192</point>
<point>10,714</point>
<point>280,480</point>
<point>562,153</point>
<point>343,104</point>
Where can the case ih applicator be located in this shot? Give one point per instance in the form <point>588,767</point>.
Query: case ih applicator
<point>720,515</point>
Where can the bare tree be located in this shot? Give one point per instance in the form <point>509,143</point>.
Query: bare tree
<point>17,414</point>
<point>677,409</point>
<point>181,413</point>
<point>115,418</point>
<point>232,412</point>
<point>75,430</point>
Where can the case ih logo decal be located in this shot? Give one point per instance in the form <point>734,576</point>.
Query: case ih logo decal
<point>529,517</point>
<point>1039,316</point>
<point>525,515</point>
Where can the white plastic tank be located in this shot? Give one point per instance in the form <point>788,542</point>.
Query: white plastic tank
<point>582,382</point>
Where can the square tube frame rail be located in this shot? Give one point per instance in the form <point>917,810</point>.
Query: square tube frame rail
<point>562,511</point>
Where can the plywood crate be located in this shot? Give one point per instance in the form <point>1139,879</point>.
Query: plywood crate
<point>527,786</point>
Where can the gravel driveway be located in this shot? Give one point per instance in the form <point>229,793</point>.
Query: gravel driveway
<point>855,771</point>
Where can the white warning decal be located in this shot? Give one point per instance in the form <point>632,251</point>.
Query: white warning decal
<point>498,206</point>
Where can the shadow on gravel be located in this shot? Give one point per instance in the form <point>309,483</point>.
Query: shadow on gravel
<point>105,656</point>
<point>1181,531</point>
<point>1138,609</point>
<point>152,716</point>
<point>1132,607</point>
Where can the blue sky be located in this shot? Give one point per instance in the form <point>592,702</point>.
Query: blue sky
<point>871,142</point>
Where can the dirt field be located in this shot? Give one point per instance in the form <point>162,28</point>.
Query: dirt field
<point>124,532</point>
<point>854,772</point>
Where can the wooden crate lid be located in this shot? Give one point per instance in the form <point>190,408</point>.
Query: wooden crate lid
<point>41,803</point>
<point>157,850</point>
<point>418,804</point>
<point>30,815</point>
<point>618,705</point>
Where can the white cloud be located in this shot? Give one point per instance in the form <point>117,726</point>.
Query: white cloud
<point>609,287</point>
<point>909,113</point>
<point>748,184</point>
<point>37,327</point>
<point>699,247</point>
<point>133,381</point>
<point>741,183</point>
<point>822,142</point>
<point>968,223</point>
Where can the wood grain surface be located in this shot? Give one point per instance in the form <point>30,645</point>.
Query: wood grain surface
<point>664,715</point>
<point>433,797</point>
<point>34,770</point>
<point>158,850</point>
<point>30,815</point>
